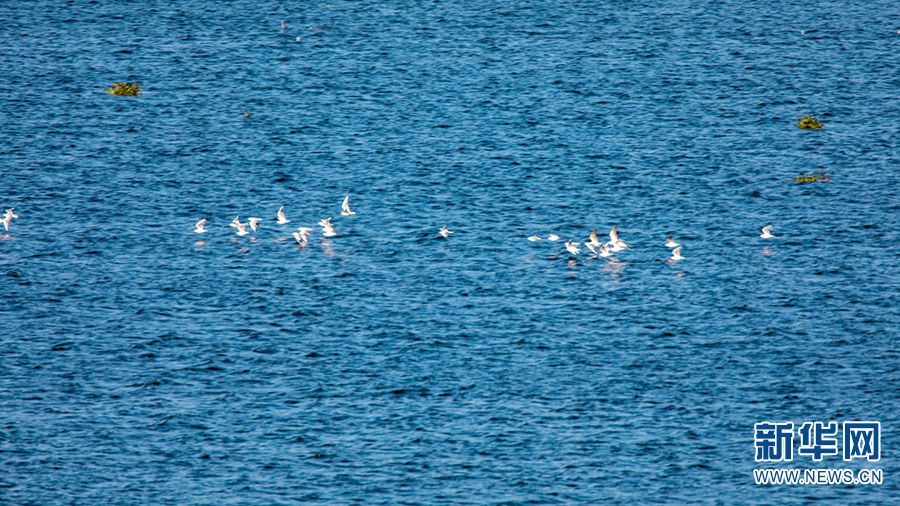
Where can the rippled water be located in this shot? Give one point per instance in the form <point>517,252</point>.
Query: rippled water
<point>390,365</point>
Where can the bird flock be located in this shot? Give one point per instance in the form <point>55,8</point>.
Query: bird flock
<point>597,248</point>
<point>616,243</point>
<point>301,235</point>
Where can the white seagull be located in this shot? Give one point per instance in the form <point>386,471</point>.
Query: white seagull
<point>676,254</point>
<point>767,232</point>
<point>301,235</point>
<point>198,228</point>
<point>345,207</point>
<point>671,243</point>
<point>572,247</point>
<point>553,237</point>
<point>594,241</point>
<point>604,251</point>
<point>281,219</point>
<point>444,232</point>
<point>241,229</point>
<point>327,227</point>
<point>592,248</point>
<point>534,238</point>
<point>8,217</point>
<point>235,222</point>
<point>254,223</point>
<point>614,246</point>
<point>618,244</point>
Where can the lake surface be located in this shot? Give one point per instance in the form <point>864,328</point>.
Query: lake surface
<point>143,363</point>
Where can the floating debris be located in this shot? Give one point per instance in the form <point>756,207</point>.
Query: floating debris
<point>808,122</point>
<point>126,89</point>
<point>816,175</point>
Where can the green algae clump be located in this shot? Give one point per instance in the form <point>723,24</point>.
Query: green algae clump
<point>808,122</point>
<point>125,89</point>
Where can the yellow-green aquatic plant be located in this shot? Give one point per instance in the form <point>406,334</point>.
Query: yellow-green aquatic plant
<point>816,175</point>
<point>809,122</point>
<point>126,89</point>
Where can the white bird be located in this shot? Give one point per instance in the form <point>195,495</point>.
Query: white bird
<point>572,247</point>
<point>345,207</point>
<point>327,227</point>
<point>235,222</point>
<point>614,238</point>
<point>593,237</point>
<point>614,246</point>
<point>198,228</point>
<point>604,251</point>
<point>301,235</point>
<point>254,223</point>
<point>444,232</point>
<point>671,243</point>
<point>281,219</point>
<point>553,237</point>
<point>241,229</point>
<point>534,238</point>
<point>8,217</point>
<point>592,248</point>
<point>676,254</point>
<point>767,232</point>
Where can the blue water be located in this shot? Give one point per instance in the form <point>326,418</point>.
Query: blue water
<point>390,365</point>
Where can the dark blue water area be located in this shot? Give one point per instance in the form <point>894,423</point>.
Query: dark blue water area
<point>141,363</point>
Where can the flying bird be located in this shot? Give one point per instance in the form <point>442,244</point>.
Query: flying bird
<point>572,247</point>
<point>534,238</point>
<point>198,228</point>
<point>767,232</point>
<point>444,232</point>
<point>327,227</point>
<point>618,244</point>
<point>670,242</point>
<point>553,237</point>
<point>254,223</point>
<point>345,207</point>
<point>301,235</point>
<point>281,219</point>
<point>8,217</point>
<point>676,254</point>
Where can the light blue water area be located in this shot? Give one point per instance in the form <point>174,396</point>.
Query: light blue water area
<point>143,363</point>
